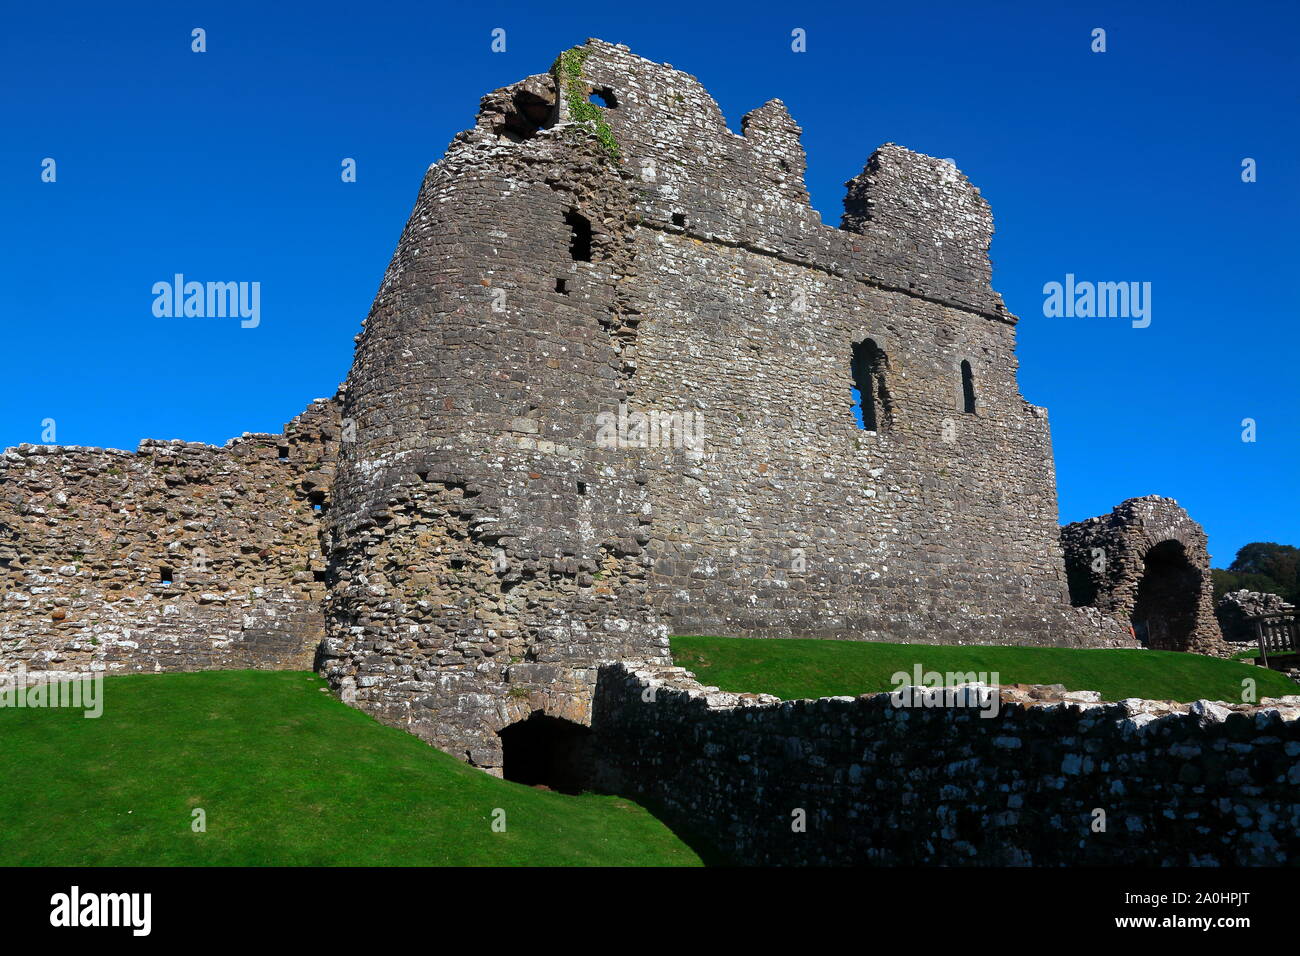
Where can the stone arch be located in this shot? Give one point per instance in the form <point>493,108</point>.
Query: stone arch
<point>1168,597</point>
<point>541,750</point>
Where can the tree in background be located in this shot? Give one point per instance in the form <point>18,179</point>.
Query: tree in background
<point>1262,566</point>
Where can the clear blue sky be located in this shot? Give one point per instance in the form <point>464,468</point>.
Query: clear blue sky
<point>225,165</point>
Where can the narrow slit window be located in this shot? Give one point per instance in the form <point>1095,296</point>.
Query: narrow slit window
<point>873,404</point>
<point>165,575</point>
<point>967,388</point>
<point>579,236</point>
<point>562,286</point>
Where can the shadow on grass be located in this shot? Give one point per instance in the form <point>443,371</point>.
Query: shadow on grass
<point>703,846</point>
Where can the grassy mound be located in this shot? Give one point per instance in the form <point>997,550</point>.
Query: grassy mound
<point>287,775</point>
<point>806,668</point>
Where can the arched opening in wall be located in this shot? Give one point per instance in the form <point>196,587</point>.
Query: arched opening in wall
<point>873,405</point>
<point>548,752</point>
<point>967,388</point>
<point>1164,614</point>
<point>579,235</point>
<point>605,97</point>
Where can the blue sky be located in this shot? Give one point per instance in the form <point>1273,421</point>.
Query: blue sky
<point>1115,166</point>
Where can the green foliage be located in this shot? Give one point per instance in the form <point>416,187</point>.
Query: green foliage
<point>1269,567</point>
<point>1225,581</point>
<point>794,669</point>
<point>287,775</point>
<point>1261,566</point>
<point>581,109</point>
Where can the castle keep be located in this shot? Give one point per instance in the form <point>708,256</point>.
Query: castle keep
<point>619,381</point>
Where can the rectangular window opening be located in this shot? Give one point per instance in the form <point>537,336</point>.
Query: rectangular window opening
<point>579,235</point>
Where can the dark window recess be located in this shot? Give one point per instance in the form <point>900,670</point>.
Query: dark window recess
<point>562,286</point>
<point>873,404</point>
<point>318,575</point>
<point>527,114</point>
<point>317,499</point>
<point>579,236</point>
<point>165,575</point>
<point>967,389</point>
<point>604,97</point>
<point>582,487</point>
<point>284,452</point>
<point>679,220</point>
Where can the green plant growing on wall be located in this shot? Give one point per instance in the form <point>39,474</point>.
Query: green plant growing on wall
<point>581,109</point>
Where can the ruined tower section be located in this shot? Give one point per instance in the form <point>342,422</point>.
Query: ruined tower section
<point>1146,565</point>
<point>620,378</point>
<point>865,466</point>
<point>175,557</point>
<point>489,544</point>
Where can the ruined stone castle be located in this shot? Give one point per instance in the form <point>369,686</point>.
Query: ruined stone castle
<point>619,382</point>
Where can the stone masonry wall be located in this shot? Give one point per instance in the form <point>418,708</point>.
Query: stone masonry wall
<point>567,267</point>
<point>1146,564</point>
<point>941,525</point>
<point>1199,784</point>
<point>1235,610</point>
<point>175,557</point>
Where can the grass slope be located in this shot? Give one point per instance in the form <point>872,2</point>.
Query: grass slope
<point>288,775</point>
<point>807,668</point>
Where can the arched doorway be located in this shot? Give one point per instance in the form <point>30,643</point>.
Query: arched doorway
<point>547,751</point>
<point>1164,614</point>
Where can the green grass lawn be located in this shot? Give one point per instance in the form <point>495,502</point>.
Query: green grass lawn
<point>793,669</point>
<point>287,775</point>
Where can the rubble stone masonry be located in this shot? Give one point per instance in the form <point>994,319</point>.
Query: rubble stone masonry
<point>501,526</point>
<point>619,381</point>
<point>1053,778</point>
<point>178,556</point>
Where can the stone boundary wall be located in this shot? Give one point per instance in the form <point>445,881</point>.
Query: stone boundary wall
<point>179,556</point>
<point>1236,609</point>
<point>1199,784</point>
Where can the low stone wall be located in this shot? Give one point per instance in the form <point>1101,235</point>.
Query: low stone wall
<point>1199,784</point>
<point>1236,609</point>
<point>176,557</point>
